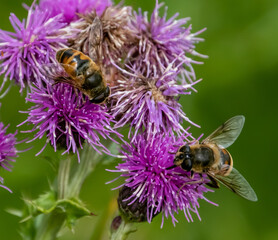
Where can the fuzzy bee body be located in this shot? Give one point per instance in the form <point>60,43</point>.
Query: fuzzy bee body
<point>212,158</point>
<point>84,74</point>
<point>205,157</point>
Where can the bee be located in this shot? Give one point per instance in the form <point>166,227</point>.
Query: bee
<point>85,71</point>
<point>84,74</point>
<point>212,158</point>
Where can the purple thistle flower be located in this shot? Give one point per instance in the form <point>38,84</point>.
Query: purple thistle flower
<point>33,44</point>
<point>162,41</point>
<point>67,119</point>
<point>149,102</point>
<point>163,190</point>
<point>7,151</point>
<point>70,8</point>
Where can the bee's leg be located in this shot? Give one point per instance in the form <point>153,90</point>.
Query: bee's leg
<point>195,182</point>
<point>83,98</point>
<point>62,80</point>
<point>77,93</point>
<point>58,80</point>
<point>213,183</point>
<point>181,188</point>
<point>191,174</point>
<point>192,182</point>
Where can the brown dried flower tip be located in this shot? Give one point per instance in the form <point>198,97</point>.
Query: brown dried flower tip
<point>111,26</point>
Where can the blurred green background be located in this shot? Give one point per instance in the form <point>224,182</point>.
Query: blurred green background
<point>239,77</point>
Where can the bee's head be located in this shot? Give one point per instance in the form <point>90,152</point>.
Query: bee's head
<point>102,97</point>
<point>183,158</point>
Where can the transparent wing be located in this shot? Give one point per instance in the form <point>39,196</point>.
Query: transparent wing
<point>53,70</point>
<point>95,39</point>
<point>96,32</point>
<point>236,183</point>
<point>58,73</point>
<point>227,133</point>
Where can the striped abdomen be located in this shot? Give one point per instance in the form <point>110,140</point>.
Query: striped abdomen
<point>226,161</point>
<point>74,62</point>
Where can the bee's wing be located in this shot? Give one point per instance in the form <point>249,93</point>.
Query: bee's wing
<point>49,67</point>
<point>54,70</point>
<point>59,75</point>
<point>95,39</point>
<point>236,183</point>
<point>227,133</point>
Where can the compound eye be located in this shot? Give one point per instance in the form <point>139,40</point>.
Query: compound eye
<point>99,99</point>
<point>93,81</point>
<point>107,91</point>
<point>182,149</point>
<point>181,156</point>
<point>187,165</point>
<point>187,148</point>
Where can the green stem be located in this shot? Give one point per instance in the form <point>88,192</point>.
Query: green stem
<point>63,178</point>
<point>68,186</point>
<point>49,226</point>
<point>82,170</point>
<point>61,206</point>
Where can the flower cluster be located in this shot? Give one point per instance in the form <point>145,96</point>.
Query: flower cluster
<point>61,112</point>
<point>148,65</point>
<point>157,71</point>
<point>146,89</point>
<point>7,151</point>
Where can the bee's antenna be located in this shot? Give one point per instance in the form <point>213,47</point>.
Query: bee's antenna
<point>172,152</point>
<point>168,168</point>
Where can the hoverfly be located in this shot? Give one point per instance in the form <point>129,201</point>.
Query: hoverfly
<point>212,158</point>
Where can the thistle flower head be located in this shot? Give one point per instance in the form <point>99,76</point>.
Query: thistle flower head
<point>68,118</point>
<point>149,102</point>
<point>32,45</point>
<point>161,41</point>
<point>7,150</point>
<point>115,36</point>
<point>158,189</point>
<point>70,8</point>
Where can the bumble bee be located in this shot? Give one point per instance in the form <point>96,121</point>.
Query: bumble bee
<point>211,157</point>
<point>85,71</point>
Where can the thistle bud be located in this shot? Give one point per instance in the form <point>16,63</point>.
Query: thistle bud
<point>133,211</point>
